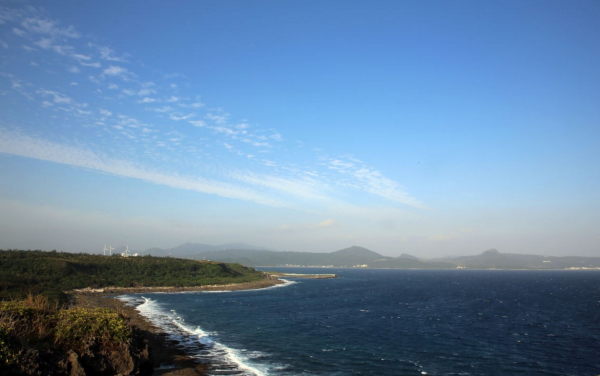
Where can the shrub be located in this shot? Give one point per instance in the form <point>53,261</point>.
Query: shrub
<point>36,322</point>
<point>9,352</point>
<point>77,326</point>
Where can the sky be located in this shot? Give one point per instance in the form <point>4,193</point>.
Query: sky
<point>432,128</point>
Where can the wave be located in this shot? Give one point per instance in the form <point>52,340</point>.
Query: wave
<point>284,284</point>
<point>196,342</point>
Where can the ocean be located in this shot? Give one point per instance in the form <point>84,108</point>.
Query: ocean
<point>393,322</point>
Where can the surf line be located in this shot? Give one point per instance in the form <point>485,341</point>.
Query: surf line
<point>197,343</point>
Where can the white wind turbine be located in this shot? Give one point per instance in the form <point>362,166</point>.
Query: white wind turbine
<point>110,249</point>
<point>104,250</point>
<point>126,254</point>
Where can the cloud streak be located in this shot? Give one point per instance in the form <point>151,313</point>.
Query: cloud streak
<point>26,146</point>
<point>169,133</point>
<point>372,181</point>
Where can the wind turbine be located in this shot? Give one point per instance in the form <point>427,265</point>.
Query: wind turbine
<point>126,254</point>
<point>110,249</point>
<point>104,250</point>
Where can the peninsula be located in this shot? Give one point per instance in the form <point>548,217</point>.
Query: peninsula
<point>57,315</point>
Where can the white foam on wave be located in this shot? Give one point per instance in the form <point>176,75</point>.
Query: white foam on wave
<point>202,336</point>
<point>284,284</point>
<point>236,357</point>
<point>419,367</point>
<point>255,354</point>
<point>190,337</point>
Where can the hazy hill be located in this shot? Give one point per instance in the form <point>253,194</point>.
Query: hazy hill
<point>492,259</point>
<point>348,257</point>
<point>406,255</point>
<point>345,257</point>
<point>188,250</point>
<point>358,256</point>
<point>409,263</point>
<point>353,256</point>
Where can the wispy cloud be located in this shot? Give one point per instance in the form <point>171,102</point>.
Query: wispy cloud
<point>81,57</point>
<point>362,177</point>
<point>308,228</point>
<point>93,65</point>
<point>327,223</point>
<point>163,109</point>
<point>218,118</point>
<point>147,100</point>
<point>267,176</point>
<point>146,91</point>
<point>197,123</point>
<point>19,32</point>
<point>108,54</point>
<point>58,98</point>
<point>302,189</point>
<point>118,71</point>
<point>45,26</point>
<point>26,146</point>
<point>178,117</point>
<point>46,34</point>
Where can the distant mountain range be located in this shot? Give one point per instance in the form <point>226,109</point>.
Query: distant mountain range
<point>492,259</point>
<point>190,250</point>
<point>360,257</point>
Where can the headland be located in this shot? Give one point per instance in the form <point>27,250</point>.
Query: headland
<point>82,285</point>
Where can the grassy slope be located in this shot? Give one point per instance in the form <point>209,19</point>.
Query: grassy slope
<point>23,272</point>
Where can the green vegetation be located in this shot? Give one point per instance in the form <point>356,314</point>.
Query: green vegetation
<point>36,325</point>
<point>38,322</point>
<point>39,336</point>
<point>75,326</point>
<point>52,273</point>
<point>9,352</point>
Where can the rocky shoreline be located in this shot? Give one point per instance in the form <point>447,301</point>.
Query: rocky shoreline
<point>302,276</point>
<point>167,357</point>
<point>269,282</point>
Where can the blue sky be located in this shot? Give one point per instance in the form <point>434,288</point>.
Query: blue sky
<point>430,128</point>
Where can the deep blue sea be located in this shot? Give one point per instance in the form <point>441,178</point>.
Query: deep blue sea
<point>394,322</point>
